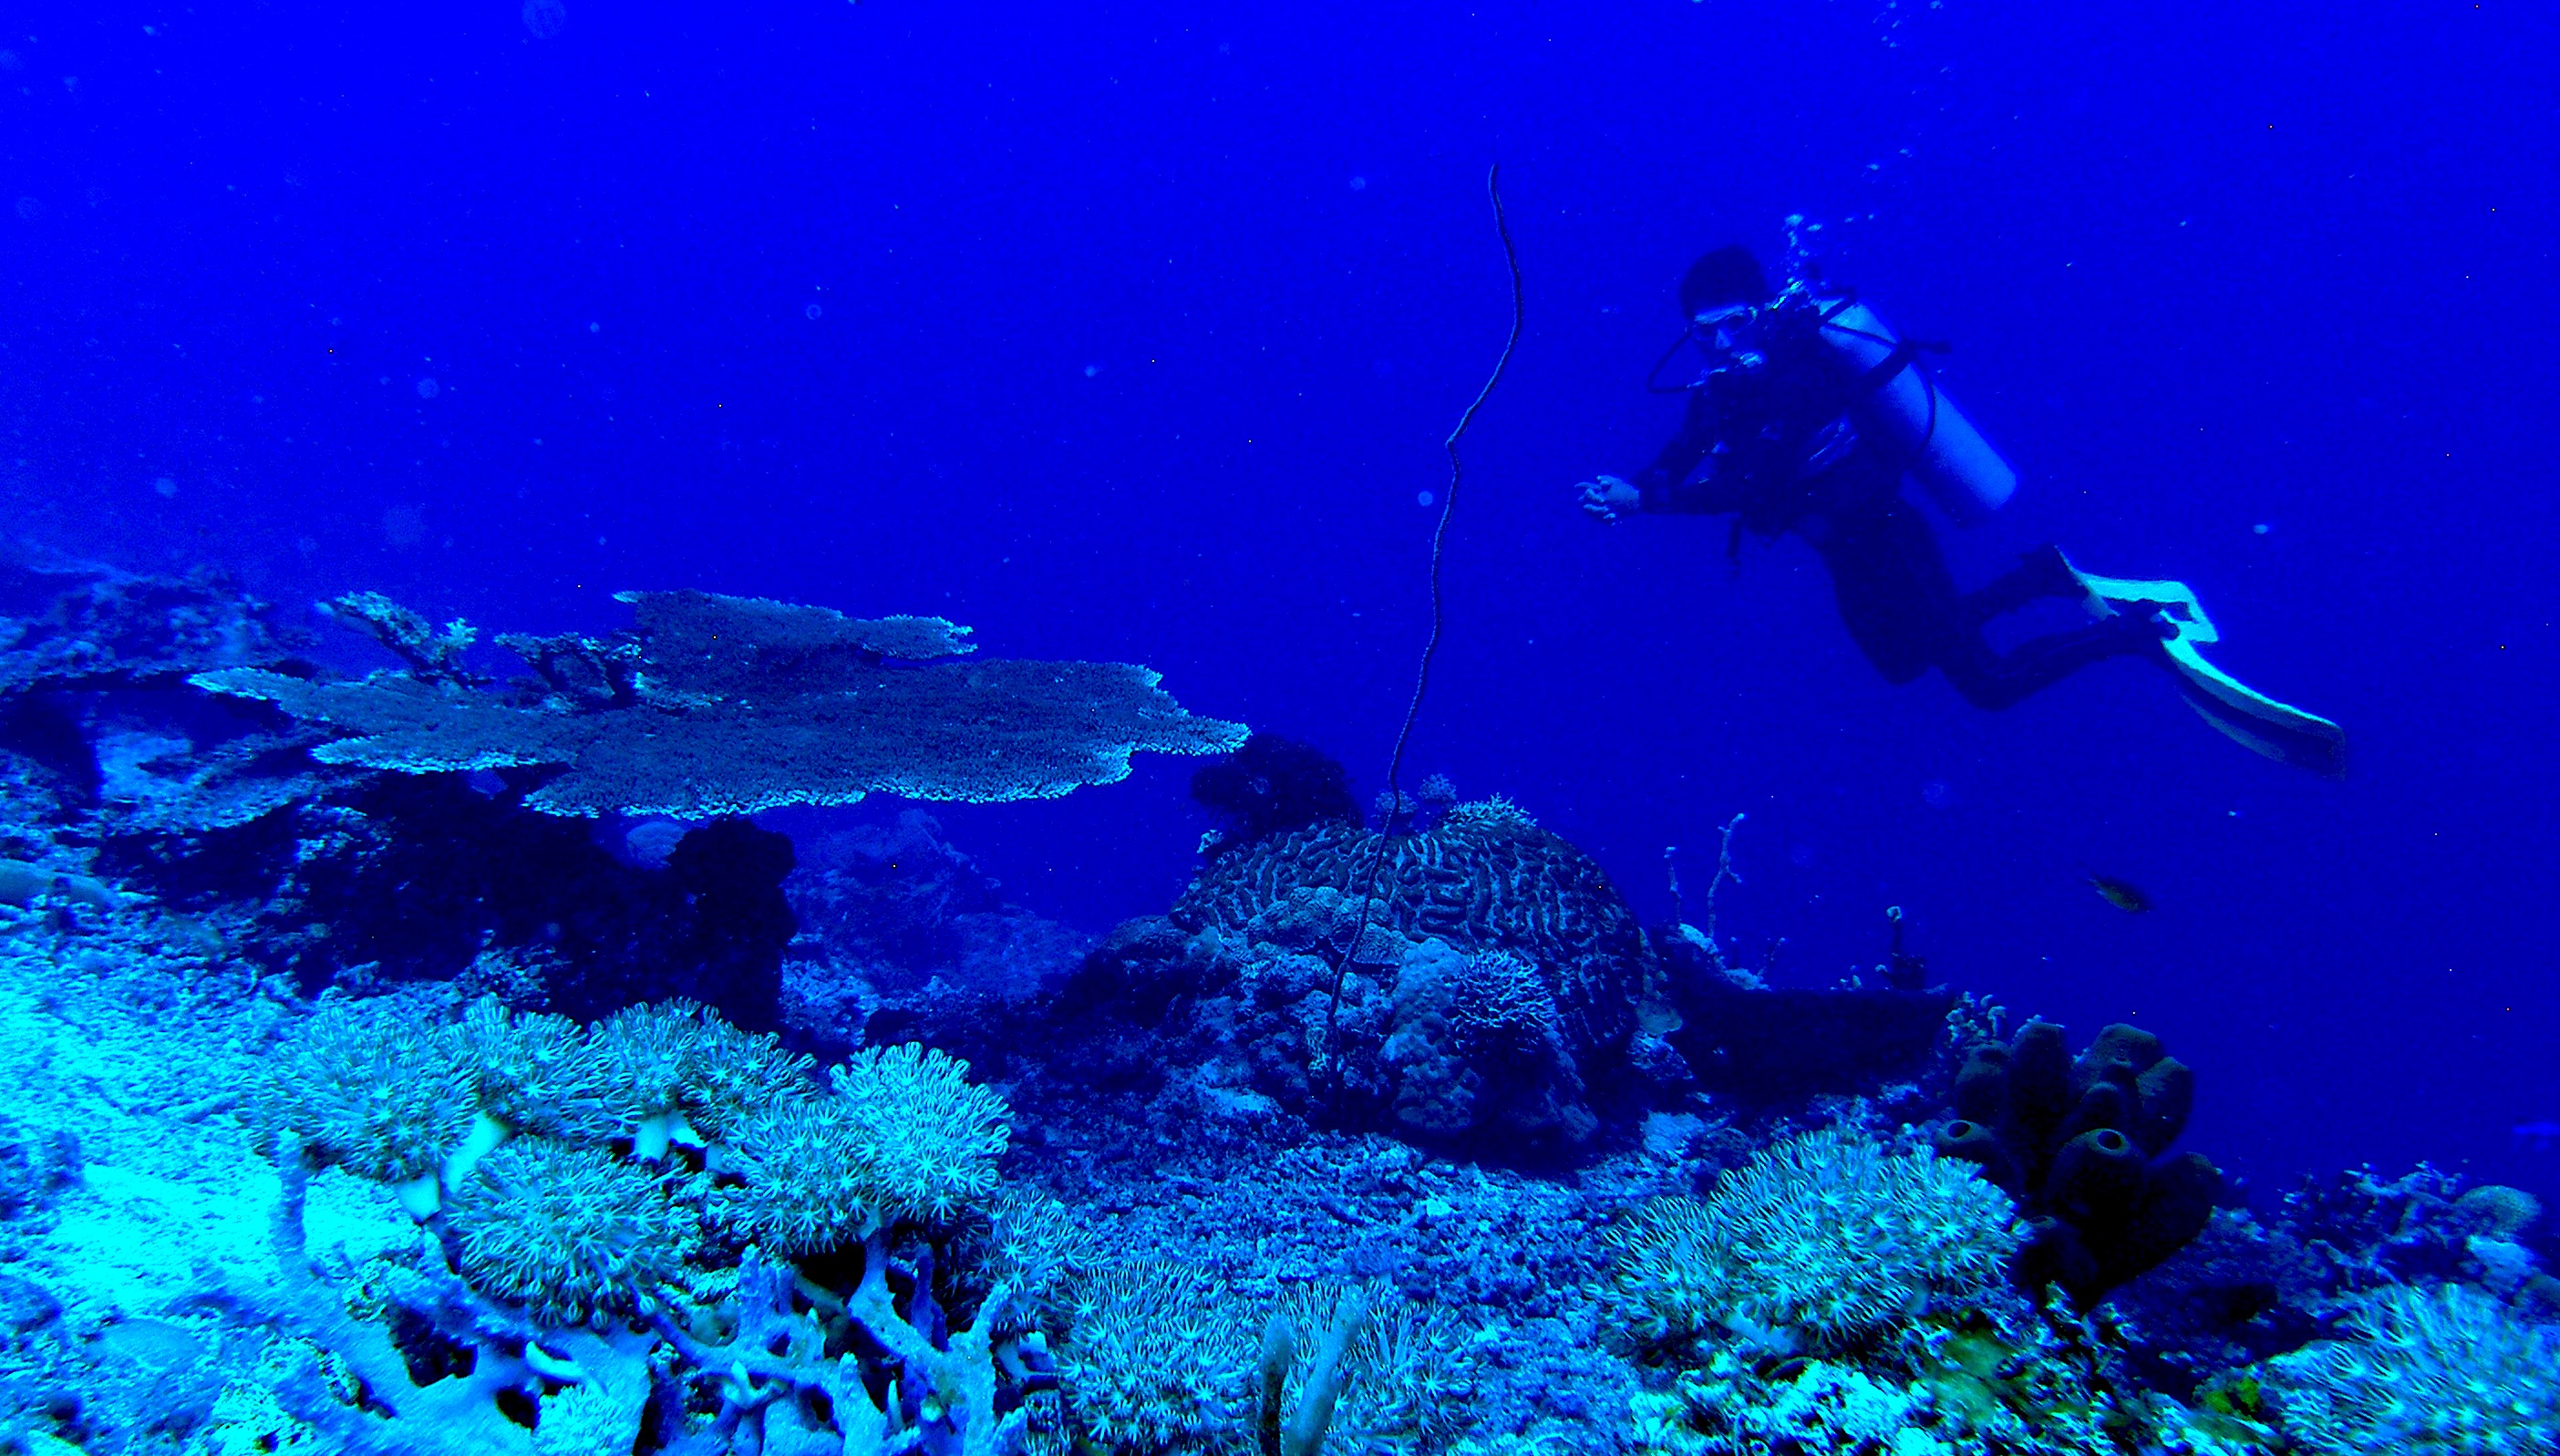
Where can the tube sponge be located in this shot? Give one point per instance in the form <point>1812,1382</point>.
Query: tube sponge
<point>1822,1239</point>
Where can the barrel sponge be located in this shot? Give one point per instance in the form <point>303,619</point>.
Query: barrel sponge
<point>366,1088</point>
<point>2442,1370</point>
<point>933,1136</point>
<point>571,1234</point>
<point>1825,1240</point>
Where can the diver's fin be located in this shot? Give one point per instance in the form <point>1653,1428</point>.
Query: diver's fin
<point>2248,717</point>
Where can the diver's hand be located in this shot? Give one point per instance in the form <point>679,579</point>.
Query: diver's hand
<point>1608,497</point>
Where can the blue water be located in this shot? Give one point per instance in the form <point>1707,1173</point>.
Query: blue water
<point>1133,334</point>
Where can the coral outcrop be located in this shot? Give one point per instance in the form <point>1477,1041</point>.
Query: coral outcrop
<point>1769,1045</point>
<point>96,717</point>
<point>1272,785</point>
<point>1486,877</point>
<point>902,935</point>
<point>77,626</point>
<point>392,878</point>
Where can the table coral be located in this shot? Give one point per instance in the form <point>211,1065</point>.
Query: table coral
<point>713,706</point>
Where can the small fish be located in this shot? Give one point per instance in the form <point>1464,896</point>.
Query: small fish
<point>2122,896</point>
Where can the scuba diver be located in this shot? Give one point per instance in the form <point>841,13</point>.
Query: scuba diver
<point>1808,415</point>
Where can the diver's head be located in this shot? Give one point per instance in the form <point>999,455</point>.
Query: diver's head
<point>1720,295</point>
<point>1726,281</point>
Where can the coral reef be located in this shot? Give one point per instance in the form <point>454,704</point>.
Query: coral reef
<point>363,1108</point>
<point>2082,1145</point>
<point>1484,1002</point>
<point>713,706</point>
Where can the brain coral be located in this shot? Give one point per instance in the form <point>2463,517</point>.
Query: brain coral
<point>1482,882</point>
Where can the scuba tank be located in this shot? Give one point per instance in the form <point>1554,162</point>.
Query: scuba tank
<point>1905,411</point>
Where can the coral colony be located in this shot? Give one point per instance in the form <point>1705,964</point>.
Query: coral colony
<point>432,1059</point>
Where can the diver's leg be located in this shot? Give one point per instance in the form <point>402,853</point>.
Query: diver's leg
<point>1996,680</point>
<point>2040,574</point>
<point>1895,605</point>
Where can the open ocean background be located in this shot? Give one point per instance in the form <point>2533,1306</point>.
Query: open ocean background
<point>1131,333</point>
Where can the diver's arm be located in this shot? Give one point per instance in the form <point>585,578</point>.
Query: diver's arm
<point>1677,458</point>
<point>1674,481</point>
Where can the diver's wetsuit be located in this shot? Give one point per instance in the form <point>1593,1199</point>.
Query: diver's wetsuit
<point>1776,445</point>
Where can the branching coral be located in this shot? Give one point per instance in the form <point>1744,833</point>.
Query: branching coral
<point>779,1389</point>
<point>1824,1240</point>
<point>715,704</point>
<point>2442,1370</point>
